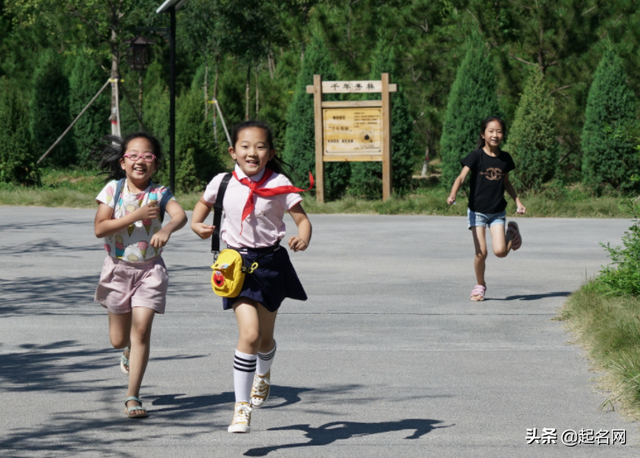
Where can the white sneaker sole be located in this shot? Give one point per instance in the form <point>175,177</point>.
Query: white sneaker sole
<point>239,429</point>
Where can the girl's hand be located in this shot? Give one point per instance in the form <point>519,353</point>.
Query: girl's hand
<point>160,238</point>
<point>520,208</point>
<point>451,200</point>
<point>297,244</point>
<point>203,230</point>
<point>149,211</point>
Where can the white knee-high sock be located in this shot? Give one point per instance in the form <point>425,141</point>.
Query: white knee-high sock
<point>265,360</point>
<point>244,367</point>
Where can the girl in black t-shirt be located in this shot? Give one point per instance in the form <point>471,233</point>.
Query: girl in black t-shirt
<point>489,168</point>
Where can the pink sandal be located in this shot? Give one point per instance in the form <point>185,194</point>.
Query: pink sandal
<point>516,238</point>
<point>477,293</point>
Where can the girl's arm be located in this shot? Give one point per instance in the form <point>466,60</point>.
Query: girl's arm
<point>512,192</point>
<point>104,226</point>
<point>178,220</point>
<point>200,213</point>
<point>458,184</point>
<point>301,241</point>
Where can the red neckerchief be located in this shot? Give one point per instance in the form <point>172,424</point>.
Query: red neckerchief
<point>254,188</point>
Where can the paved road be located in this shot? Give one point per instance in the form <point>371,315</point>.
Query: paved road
<point>387,358</point>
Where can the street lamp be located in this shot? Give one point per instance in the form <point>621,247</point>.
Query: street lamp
<point>138,58</point>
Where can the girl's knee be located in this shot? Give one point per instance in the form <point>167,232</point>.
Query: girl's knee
<point>251,337</point>
<point>481,255</point>
<point>119,342</point>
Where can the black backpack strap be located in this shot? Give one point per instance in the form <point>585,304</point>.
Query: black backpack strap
<point>217,215</point>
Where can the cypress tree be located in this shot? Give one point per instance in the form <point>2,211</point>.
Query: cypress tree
<point>197,159</point>
<point>85,81</point>
<point>532,140</point>
<point>17,158</point>
<point>611,108</point>
<point>300,150</point>
<point>366,177</point>
<point>49,113</point>
<point>472,99</point>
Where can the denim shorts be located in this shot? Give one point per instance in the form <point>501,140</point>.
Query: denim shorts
<point>477,219</point>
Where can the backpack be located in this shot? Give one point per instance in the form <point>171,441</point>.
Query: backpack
<point>166,197</point>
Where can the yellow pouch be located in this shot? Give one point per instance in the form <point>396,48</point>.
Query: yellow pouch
<point>228,274</point>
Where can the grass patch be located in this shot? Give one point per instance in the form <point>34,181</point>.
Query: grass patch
<point>608,327</point>
<point>78,189</point>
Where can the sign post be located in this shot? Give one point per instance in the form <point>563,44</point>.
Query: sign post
<point>354,131</point>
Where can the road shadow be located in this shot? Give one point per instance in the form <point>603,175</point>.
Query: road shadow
<point>47,295</point>
<point>341,430</point>
<point>530,297</point>
<point>44,367</point>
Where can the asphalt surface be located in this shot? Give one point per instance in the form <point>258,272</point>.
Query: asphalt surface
<point>387,358</point>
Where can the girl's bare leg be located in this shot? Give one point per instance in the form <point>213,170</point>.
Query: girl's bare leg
<point>119,329</point>
<point>267,326</point>
<point>480,244</point>
<point>140,337</point>
<point>249,337</point>
<point>255,326</point>
<point>501,242</point>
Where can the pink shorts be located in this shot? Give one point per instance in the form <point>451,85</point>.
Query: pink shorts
<point>124,285</point>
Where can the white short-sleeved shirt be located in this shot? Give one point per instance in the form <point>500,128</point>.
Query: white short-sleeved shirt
<point>265,226</point>
<point>132,244</point>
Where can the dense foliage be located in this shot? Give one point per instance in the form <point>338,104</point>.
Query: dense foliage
<point>250,54</point>
<point>609,159</point>
<point>17,158</point>
<point>473,98</point>
<point>533,140</point>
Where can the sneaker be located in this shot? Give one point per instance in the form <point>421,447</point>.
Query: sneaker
<point>260,389</point>
<point>241,418</point>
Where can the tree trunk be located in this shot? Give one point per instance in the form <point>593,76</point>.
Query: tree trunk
<point>215,111</point>
<point>115,61</point>
<point>247,92</point>
<point>257,95</point>
<point>140,99</point>
<point>272,65</point>
<point>206,90</point>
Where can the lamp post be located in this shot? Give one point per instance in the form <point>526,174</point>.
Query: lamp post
<point>138,58</point>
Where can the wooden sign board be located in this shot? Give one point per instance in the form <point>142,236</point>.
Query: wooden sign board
<point>351,133</point>
<point>352,130</point>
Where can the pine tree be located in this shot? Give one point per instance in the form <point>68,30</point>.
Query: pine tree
<point>532,141</point>
<point>49,113</point>
<point>366,177</point>
<point>197,160</point>
<point>472,99</point>
<point>300,149</point>
<point>17,158</point>
<point>609,158</point>
<point>85,81</point>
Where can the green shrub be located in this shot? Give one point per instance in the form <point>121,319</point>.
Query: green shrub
<point>366,177</point>
<point>532,139</point>
<point>197,160</point>
<point>611,105</point>
<point>300,149</point>
<point>85,81</point>
<point>17,158</point>
<point>623,277</point>
<point>472,99</point>
<point>49,112</point>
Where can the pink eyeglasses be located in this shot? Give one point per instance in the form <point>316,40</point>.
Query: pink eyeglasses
<point>147,157</point>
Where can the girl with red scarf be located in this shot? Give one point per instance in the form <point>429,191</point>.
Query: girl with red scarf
<point>255,201</point>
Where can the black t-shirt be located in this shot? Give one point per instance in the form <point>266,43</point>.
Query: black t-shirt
<point>487,180</point>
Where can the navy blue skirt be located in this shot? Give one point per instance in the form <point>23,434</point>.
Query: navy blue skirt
<point>273,280</point>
